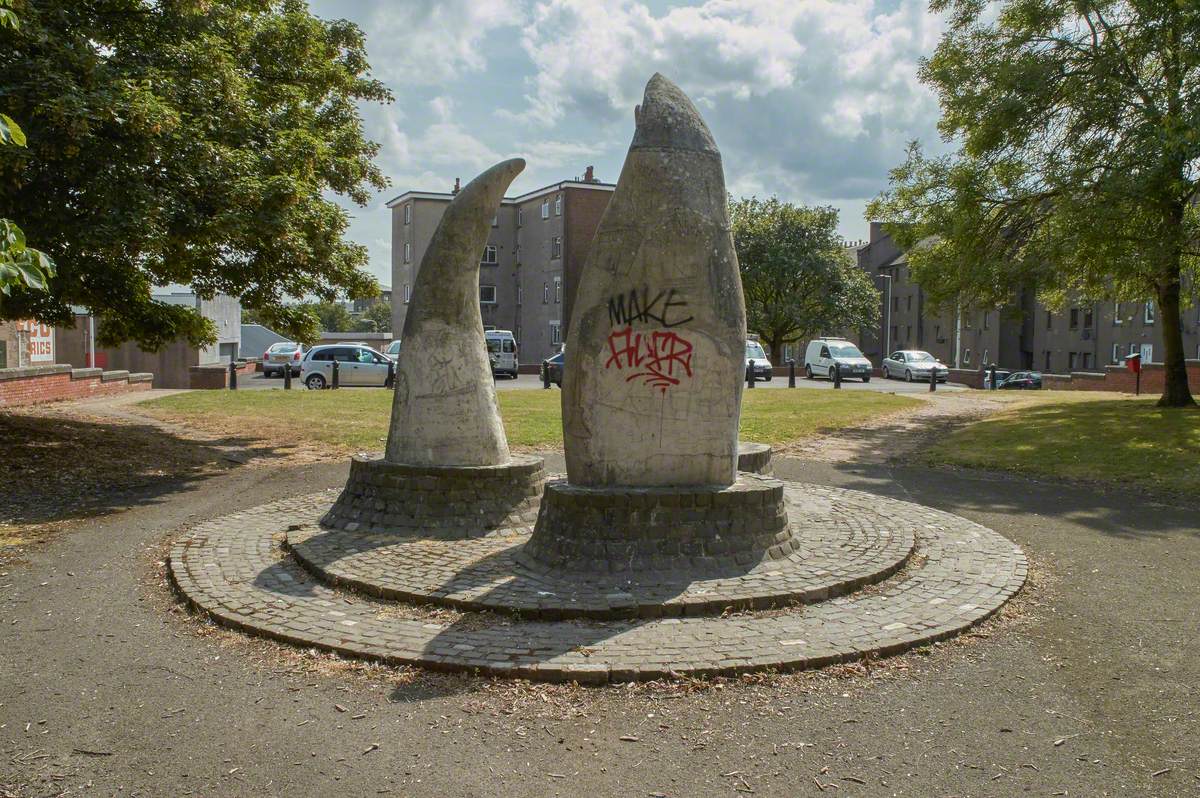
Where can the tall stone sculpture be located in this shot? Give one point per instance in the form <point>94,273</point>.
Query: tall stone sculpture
<point>447,470</point>
<point>655,352</point>
<point>653,377</point>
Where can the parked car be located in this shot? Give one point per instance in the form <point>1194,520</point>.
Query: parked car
<point>553,366</point>
<point>913,364</point>
<point>503,345</point>
<point>281,355</point>
<point>357,365</point>
<point>1001,376</point>
<point>1022,381</point>
<point>824,356</point>
<point>393,349</point>
<point>756,360</point>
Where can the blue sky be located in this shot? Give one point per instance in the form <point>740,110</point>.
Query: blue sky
<point>809,100</point>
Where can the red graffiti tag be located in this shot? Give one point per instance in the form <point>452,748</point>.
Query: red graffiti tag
<point>664,358</point>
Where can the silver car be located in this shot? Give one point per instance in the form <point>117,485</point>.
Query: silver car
<point>357,365</point>
<point>280,356</point>
<point>913,364</point>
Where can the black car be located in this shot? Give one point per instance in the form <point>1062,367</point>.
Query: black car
<point>554,367</point>
<point>1022,381</point>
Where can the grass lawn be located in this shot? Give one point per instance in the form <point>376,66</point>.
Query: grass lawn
<point>1075,436</point>
<point>356,420</point>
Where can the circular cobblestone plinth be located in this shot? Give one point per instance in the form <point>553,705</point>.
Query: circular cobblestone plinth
<point>698,531</point>
<point>448,502</point>
<point>754,457</point>
<point>232,569</point>
<point>842,548</point>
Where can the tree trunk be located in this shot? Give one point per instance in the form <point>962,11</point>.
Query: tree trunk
<point>1175,383</point>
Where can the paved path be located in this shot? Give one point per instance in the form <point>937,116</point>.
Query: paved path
<point>105,692</point>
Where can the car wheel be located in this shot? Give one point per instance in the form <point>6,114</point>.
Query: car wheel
<point>886,376</point>
<point>831,377</point>
<point>315,382</point>
<point>908,375</point>
<point>867,378</point>
<point>808,375</point>
<point>768,377</point>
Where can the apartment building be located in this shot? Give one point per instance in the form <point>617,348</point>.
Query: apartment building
<point>1024,335</point>
<point>529,268</point>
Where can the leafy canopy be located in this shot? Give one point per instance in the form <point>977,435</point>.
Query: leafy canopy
<point>1078,132</point>
<point>192,142</point>
<point>797,278</point>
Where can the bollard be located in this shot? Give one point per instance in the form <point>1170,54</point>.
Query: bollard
<point>792,372</point>
<point>750,375</point>
<point>837,376</point>
<point>232,374</point>
<point>391,378</point>
<point>287,377</point>
<point>334,384</point>
<point>992,378</point>
<point>545,376</point>
<point>933,379</point>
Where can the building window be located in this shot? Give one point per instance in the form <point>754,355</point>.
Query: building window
<point>967,357</point>
<point>1085,360</point>
<point>520,294</point>
<point>408,214</point>
<point>1049,320</point>
<point>520,216</point>
<point>1117,313</point>
<point>496,220</point>
<point>546,208</point>
<point>1074,318</point>
<point>1088,319</point>
<point>517,334</point>
<point>407,252</point>
<point>1148,315</point>
<point>937,333</point>
<point>489,254</point>
<point>984,362</point>
<point>545,293</point>
<point>1147,352</point>
<point>1116,355</point>
<point>986,325</point>
<point>558,204</point>
<point>1071,357</point>
<point>895,303</point>
<point>1133,349</point>
<point>487,294</point>
<point>908,333</point>
<point>556,248</point>
<point>909,303</point>
<point>555,333</point>
<point>557,290</point>
<point>407,293</point>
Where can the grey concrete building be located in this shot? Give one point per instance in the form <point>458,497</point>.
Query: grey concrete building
<point>530,266</point>
<point>1086,336</point>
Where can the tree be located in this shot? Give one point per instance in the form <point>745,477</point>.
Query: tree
<point>796,276</point>
<point>187,141</point>
<point>1078,132</point>
<point>20,264</point>
<point>331,316</point>
<point>380,316</point>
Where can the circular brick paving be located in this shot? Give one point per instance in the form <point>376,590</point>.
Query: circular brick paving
<point>843,545</point>
<point>233,569</point>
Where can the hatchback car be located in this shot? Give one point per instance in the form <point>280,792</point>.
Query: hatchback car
<point>357,365</point>
<point>553,366</point>
<point>1022,381</point>
<point>757,361</point>
<point>282,355</point>
<point>826,356</point>
<point>393,349</point>
<point>913,364</point>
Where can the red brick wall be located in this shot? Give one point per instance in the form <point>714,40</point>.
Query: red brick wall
<point>216,377</point>
<point>1118,378</point>
<point>50,385</point>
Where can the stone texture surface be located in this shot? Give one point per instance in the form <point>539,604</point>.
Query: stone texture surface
<point>839,551</point>
<point>754,457</point>
<point>232,569</point>
<point>444,411</point>
<point>449,502</point>
<point>701,531</point>
<point>655,351</point>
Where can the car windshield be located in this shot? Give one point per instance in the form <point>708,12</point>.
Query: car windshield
<point>393,347</point>
<point>844,350</point>
<point>917,357</point>
<point>754,349</point>
<point>283,346</point>
<point>494,345</point>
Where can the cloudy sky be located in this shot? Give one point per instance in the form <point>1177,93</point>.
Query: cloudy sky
<point>809,100</point>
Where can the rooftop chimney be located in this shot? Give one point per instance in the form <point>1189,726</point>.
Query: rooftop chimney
<point>457,185</point>
<point>589,175</point>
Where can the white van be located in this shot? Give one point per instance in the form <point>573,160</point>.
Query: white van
<point>757,361</point>
<point>502,347</point>
<point>826,355</point>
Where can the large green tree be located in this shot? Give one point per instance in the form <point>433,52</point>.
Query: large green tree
<point>1077,126</point>
<point>186,141</point>
<point>796,275</point>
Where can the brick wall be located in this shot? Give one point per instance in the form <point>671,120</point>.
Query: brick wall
<point>38,384</point>
<point>215,376</point>
<point>1118,378</point>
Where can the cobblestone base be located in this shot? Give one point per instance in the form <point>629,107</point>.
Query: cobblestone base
<point>232,569</point>
<point>449,502</point>
<point>692,531</point>
<point>842,548</point>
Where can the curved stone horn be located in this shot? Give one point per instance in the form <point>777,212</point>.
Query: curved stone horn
<point>444,410</point>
